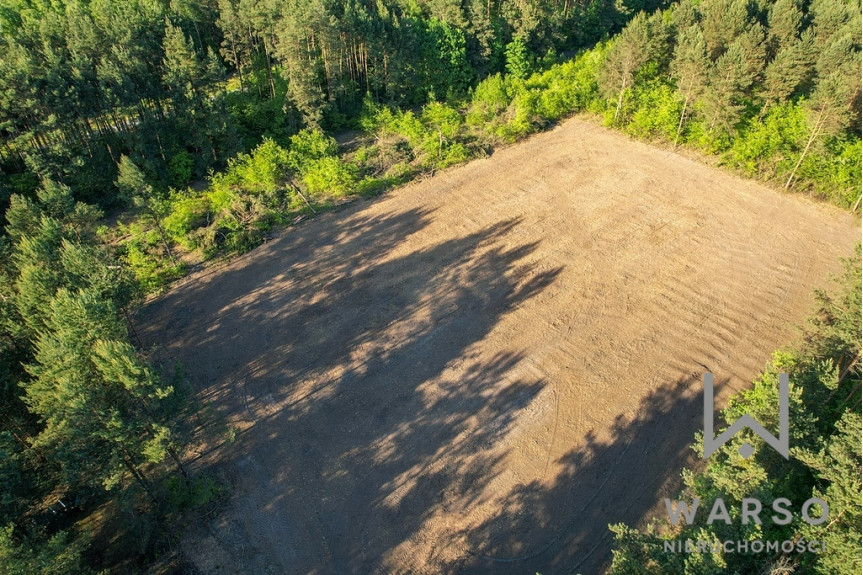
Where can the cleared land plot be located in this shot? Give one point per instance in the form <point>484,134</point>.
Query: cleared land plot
<point>479,372</point>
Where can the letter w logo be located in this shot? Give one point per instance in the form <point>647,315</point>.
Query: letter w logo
<point>711,443</point>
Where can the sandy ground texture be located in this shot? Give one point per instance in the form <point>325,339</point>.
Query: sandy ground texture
<point>480,371</point>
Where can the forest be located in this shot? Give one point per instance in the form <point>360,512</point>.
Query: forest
<point>143,138</point>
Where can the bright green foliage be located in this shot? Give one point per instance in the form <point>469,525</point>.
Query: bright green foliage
<point>262,171</point>
<point>313,156</point>
<point>373,116</point>
<point>447,71</point>
<point>328,176</point>
<point>153,207</point>
<point>568,87</point>
<point>518,59</point>
<point>508,110</point>
<point>641,42</point>
<point>657,112</point>
<point>142,252</point>
<point>489,99</point>
<point>522,117</point>
<point>768,147</point>
<point>435,137</point>
<point>187,212</point>
<point>834,173</point>
<point>242,202</point>
<point>776,102</point>
<point>310,145</point>
<point>442,125</point>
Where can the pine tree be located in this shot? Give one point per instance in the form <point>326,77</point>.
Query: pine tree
<point>182,71</point>
<point>829,112</point>
<point>59,553</point>
<point>93,422</point>
<point>730,77</point>
<point>784,21</point>
<point>132,183</point>
<point>722,21</point>
<point>833,17</point>
<point>630,51</point>
<point>791,68</point>
<point>689,69</point>
<point>683,16</point>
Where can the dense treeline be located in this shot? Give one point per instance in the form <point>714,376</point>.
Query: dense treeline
<point>771,89</point>
<point>84,83</point>
<point>770,86</point>
<point>82,411</point>
<point>825,462</point>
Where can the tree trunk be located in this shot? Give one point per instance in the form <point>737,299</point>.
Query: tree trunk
<point>139,476</point>
<point>162,235</point>
<point>269,69</point>
<point>237,62</point>
<point>619,100</point>
<point>680,123</point>
<point>815,131</point>
<point>132,328</point>
<point>179,463</point>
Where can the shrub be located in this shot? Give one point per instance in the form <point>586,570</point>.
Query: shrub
<point>180,168</point>
<point>264,170</point>
<point>769,146</point>
<point>518,59</point>
<point>152,269</point>
<point>488,101</point>
<point>835,173</point>
<point>523,117</point>
<point>374,117</point>
<point>329,176</point>
<point>657,112</point>
<point>192,493</point>
<point>187,211</point>
<point>308,146</point>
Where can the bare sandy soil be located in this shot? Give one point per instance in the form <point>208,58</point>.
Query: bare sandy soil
<point>477,373</point>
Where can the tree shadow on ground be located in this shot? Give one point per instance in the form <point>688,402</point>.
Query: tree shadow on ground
<point>371,419</point>
<point>562,527</point>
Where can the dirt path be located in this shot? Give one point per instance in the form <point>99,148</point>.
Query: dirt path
<point>479,372</point>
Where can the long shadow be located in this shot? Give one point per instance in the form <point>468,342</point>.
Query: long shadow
<point>562,527</point>
<point>371,419</point>
<point>350,360</point>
